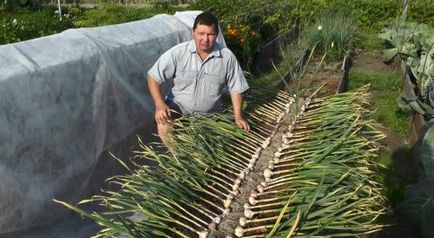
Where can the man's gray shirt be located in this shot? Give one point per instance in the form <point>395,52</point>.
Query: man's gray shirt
<point>198,85</point>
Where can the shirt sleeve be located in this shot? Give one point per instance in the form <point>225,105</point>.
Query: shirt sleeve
<point>236,81</point>
<point>164,69</point>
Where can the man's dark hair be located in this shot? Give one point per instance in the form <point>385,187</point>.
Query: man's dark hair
<point>206,18</point>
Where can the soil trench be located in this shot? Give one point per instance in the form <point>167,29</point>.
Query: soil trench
<point>330,76</point>
<point>231,221</point>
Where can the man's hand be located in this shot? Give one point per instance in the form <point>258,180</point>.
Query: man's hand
<point>242,123</point>
<point>162,113</point>
<point>237,103</point>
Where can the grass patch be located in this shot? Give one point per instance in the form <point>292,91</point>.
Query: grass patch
<point>385,88</point>
<point>399,162</point>
<point>370,41</point>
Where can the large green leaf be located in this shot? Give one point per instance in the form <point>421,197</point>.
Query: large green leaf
<point>389,54</point>
<point>410,104</point>
<point>427,41</point>
<point>427,89</point>
<point>426,155</point>
<point>426,63</point>
<point>388,35</point>
<point>418,206</point>
<point>413,63</point>
<point>419,202</point>
<point>408,49</point>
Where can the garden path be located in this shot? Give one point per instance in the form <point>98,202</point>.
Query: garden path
<point>401,166</point>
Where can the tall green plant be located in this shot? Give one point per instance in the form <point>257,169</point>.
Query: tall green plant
<point>418,207</point>
<point>334,32</point>
<point>414,43</point>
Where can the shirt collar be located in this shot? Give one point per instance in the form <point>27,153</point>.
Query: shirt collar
<point>216,51</point>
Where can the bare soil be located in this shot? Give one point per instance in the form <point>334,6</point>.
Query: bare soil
<point>371,61</point>
<point>322,74</point>
<point>254,178</point>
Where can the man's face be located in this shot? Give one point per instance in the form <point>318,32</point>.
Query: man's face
<point>204,37</point>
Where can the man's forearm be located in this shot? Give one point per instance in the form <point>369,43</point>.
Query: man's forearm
<point>237,103</point>
<point>155,91</point>
<point>162,111</point>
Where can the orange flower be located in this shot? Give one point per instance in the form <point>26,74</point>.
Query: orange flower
<point>242,40</point>
<point>231,32</point>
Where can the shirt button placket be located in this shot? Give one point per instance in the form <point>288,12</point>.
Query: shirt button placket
<point>199,84</point>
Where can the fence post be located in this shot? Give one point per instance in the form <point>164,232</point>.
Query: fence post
<point>59,9</point>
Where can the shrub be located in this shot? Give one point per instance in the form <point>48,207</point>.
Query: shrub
<point>13,5</point>
<point>109,14</point>
<point>243,41</point>
<point>422,11</point>
<point>370,14</point>
<point>26,24</point>
<point>31,24</point>
<point>266,19</point>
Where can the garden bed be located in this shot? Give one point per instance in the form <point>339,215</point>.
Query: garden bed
<point>334,76</point>
<point>331,75</point>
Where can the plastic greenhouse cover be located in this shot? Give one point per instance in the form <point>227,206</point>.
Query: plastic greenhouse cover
<point>65,100</point>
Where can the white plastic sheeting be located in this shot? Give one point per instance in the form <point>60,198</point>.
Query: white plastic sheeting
<point>66,98</point>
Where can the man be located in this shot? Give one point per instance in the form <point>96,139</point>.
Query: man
<point>200,69</point>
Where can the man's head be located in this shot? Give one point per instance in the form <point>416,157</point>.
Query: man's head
<point>208,19</point>
<point>205,31</point>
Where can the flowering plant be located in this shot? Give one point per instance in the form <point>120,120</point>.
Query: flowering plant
<point>243,41</point>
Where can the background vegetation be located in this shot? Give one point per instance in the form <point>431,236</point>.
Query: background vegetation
<point>248,24</point>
